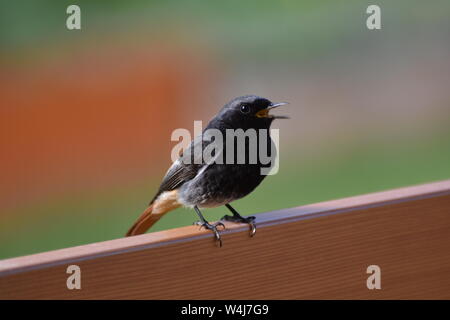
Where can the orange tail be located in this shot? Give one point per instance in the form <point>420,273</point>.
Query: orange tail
<point>144,222</point>
<point>166,202</point>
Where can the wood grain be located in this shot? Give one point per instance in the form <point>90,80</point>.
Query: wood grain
<point>316,251</point>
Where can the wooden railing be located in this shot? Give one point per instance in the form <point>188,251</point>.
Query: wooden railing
<point>315,251</point>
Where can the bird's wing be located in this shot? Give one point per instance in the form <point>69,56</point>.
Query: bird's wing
<point>184,169</point>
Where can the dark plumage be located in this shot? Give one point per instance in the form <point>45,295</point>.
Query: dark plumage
<point>192,182</point>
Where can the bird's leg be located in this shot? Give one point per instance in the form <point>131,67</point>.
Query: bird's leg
<point>236,217</point>
<point>207,225</point>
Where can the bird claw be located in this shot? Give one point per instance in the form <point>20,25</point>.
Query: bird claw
<point>213,228</point>
<point>253,227</point>
<point>220,224</point>
<point>249,220</point>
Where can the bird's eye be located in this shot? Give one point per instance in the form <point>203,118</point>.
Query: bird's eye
<point>245,108</point>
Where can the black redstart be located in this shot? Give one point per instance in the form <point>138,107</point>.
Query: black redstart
<point>202,184</point>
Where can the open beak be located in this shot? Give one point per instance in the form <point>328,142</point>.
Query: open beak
<point>264,113</point>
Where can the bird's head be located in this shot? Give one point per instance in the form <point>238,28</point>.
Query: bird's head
<point>249,112</point>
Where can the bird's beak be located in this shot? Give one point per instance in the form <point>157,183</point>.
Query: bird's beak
<point>264,113</point>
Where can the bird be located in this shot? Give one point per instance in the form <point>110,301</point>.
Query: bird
<point>198,184</point>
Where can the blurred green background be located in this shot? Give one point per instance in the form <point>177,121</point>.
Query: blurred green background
<point>86,115</point>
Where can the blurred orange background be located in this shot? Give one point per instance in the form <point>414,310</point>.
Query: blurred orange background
<point>86,115</point>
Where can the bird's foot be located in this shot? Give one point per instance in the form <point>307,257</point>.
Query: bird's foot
<point>239,219</point>
<point>213,228</point>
